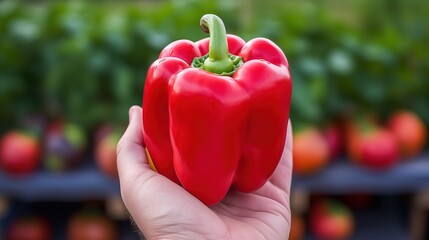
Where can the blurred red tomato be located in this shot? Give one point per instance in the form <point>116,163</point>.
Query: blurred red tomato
<point>29,228</point>
<point>330,219</point>
<point>333,137</point>
<point>297,228</point>
<point>310,151</point>
<point>105,154</point>
<point>372,146</point>
<point>19,153</point>
<point>410,131</point>
<point>65,144</point>
<point>90,225</point>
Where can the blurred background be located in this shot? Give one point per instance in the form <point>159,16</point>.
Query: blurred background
<point>70,70</point>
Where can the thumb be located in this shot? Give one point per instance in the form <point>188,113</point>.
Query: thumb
<point>131,157</point>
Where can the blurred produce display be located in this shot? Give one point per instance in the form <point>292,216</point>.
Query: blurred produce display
<point>297,228</point>
<point>65,146</point>
<point>410,132</point>
<point>86,62</point>
<point>371,145</point>
<point>369,142</point>
<point>307,161</point>
<point>105,141</point>
<point>91,224</point>
<point>19,153</point>
<point>30,228</point>
<point>356,216</point>
<point>64,220</point>
<point>331,219</point>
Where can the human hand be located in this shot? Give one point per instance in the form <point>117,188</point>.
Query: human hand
<point>164,210</point>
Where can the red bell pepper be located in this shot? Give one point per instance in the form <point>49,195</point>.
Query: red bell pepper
<point>216,112</point>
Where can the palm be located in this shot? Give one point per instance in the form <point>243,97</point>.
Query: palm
<point>257,215</point>
<point>263,214</point>
<point>165,210</point>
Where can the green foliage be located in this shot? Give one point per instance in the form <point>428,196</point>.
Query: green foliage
<point>358,56</point>
<point>86,62</point>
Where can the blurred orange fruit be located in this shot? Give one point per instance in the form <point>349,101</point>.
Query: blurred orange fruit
<point>410,131</point>
<point>310,151</point>
<point>105,154</point>
<point>297,228</point>
<point>89,224</point>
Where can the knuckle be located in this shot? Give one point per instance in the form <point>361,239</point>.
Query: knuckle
<point>120,146</point>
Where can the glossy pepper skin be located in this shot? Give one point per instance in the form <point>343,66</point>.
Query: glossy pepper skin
<point>209,132</point>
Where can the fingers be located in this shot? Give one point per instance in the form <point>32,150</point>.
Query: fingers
<point>149,196</point>
<point>287,153</point>
<point>282,176</point>
<point>131,157</point>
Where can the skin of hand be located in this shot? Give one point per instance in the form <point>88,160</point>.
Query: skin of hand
<point>164,210</point>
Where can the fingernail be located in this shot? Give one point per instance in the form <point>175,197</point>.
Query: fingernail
<point>131,114</point>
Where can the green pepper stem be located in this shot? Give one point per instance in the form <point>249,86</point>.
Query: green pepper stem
<point>218,60</point>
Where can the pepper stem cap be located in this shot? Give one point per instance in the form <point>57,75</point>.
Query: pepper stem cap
<point>218,60</point>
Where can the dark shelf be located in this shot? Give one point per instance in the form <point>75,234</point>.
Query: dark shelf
<point>380,225</point>
<point>384,219</point>
<point>344,177</point>
<point>340,177</point>
<point>83,183</point>
<point>58,215</point>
